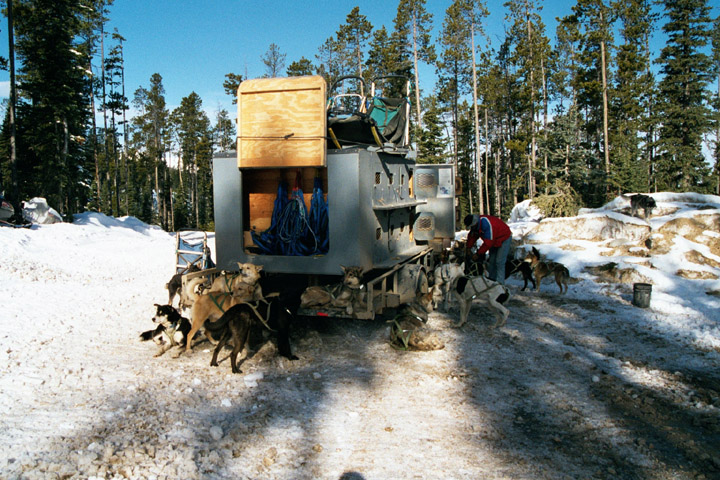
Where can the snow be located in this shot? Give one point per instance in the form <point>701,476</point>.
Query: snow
<point>579,385</point>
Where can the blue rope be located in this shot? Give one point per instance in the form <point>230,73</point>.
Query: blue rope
<point>294,229</point>
<point>267,241</point>
<point>319,217</point>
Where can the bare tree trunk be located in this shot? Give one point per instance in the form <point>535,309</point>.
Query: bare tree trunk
<point>125,133</point>
<point>606,142</point>
<point>487,160</point>
<point>567,161</point>
<point>717,146</point>
<point>417,76</point>
<point>95,146</point>
<point>496,183</point>
<point>481,203</point>
<point>172,210</point>
<point>545,120</point>
<point>15,184</point>
<point>532,157</point>
<point>195,200</point>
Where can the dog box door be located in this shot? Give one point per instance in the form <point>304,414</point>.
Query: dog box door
<point>282,122</point>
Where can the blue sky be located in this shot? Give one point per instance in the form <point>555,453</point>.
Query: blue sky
<point>194,43</point>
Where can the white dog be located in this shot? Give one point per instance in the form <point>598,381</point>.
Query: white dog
<point>444,277</point>
<point>468,289</point>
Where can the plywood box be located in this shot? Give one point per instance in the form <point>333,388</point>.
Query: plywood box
<point>282,122</point>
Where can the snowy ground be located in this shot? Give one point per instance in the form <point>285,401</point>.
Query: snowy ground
<point>584,385</point>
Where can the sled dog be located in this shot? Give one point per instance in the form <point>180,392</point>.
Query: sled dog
<point>443,278</point>
<point>175,283</point>
<point>243,283</point>
<point>348,294</point>
<point>542,269</point>
<point>172,328</point>
<point>236,323</point>
<point>515,265</point>
<point>495,294</point>
<point>407,330</point>
<point>646,202</point>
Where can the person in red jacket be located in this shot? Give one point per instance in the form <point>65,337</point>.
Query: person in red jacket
<point>496,238</point>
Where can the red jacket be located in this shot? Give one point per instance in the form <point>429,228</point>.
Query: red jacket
<point>491,230</point>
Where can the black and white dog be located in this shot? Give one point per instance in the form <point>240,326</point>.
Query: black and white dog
<point>495,294</point>
<point>172,329</point>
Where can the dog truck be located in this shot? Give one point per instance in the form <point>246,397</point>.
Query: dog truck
<point>379,208</point>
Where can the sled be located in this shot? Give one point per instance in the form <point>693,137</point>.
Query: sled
<point>191,250</point>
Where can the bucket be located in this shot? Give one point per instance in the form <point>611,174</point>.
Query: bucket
<point>641,294</point>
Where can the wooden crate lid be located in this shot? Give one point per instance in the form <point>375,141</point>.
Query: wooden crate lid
<point>282,122</point>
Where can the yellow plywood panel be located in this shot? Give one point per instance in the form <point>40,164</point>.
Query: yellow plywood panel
<point>282,122</point>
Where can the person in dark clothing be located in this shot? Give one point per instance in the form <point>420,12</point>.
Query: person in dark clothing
<point>495,237</point>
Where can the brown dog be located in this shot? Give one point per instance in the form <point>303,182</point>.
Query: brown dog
<point>244,282</point>
<point>542,269</point>
<point>210,306</point>
<point>229,291</point>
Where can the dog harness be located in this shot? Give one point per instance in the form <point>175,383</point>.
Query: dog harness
<point>487,287</point>
<point>171,332</point>
<point>260,316</point>
<point>253,306</point>
<point>230,281</point>
<point>215,297</point>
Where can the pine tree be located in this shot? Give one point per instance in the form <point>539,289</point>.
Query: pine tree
<point>388,56</point>
<point>116,105</point>
<point>193,133</point>
<point>531,56</point>
<point>274,61</point>
<point>454,67</point>
<point>355,34</point>
<point>150,139</point>
<point>631,96</point>
<point>591,26</point>
<point>413,25</point>
<point>231,84</point>
<point>683,88</point>
<point>53,102</point>
<point>431,144</point>
<point>716,103</point>
<point>330,60</point>
<point>300,68</point>
<point>224,131</point>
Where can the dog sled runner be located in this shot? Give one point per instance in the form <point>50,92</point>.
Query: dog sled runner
<point>372,206</point>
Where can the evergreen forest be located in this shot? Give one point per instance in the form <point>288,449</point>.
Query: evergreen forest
<point>571,117</point>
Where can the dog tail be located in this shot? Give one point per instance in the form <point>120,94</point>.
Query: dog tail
<point>191,286</point>
<point>218,325</point>
<point>149,334</point>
